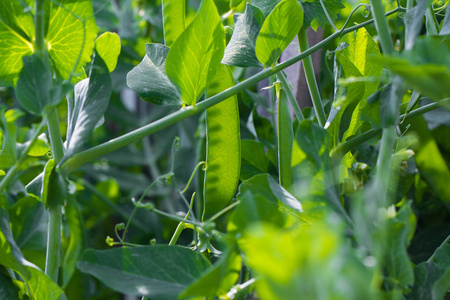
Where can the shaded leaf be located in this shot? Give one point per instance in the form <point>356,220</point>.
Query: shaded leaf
<point>278,30</point>
<point>285,142</point>
<point>158,272</point>
<point>195,56</point>
<point>266,6</point>
<point>149,79</point>
<point>240,51</point>
<point>314,14</point>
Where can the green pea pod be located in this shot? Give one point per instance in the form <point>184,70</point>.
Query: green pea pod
<point>223,146</point>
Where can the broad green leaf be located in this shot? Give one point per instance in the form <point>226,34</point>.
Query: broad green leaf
<point>264,200</point>
<point>33,86</point>
<point>278,30</point>
<point>445,29</point>
<point>17,32</point>
<point>223,152</point>
<point>149,79</point>
<point>266,6</point>
<point>195,57</point>
<point>158,272</point>
<point>218,279</point>
<point>39,148</point>
<point>2,173</point>
<point>39,286</point>
<point>414,22</point>
<point>174,20</point>
<point>427,285</point>
<point>240,51</point>
<point>314,14</point>
<point>90,100</point>
<point>285,142</point>
<point>70,35</point>
<point>430,162</point>
<point>75,247</point>
<point>108,46</point>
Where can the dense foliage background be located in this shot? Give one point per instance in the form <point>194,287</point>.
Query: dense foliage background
<point>297,209</point>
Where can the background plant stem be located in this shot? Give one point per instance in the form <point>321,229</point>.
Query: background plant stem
<point>311,78</point>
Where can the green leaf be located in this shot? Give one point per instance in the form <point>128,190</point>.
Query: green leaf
<point>39,148</point>
<point>266,6</point>
<point>158,272</point>
<point>2,173</point>
<point>17,32</point>
<point>90,100</point>
<point>39,286</point>
<point>174,20</point>
<point>223,152</point>
<point>278,30</point>
<point>218,279</point>
<point>8,136</point>
<point>426,275</point>
<point>33,86</point>
<point>70,35</point>
<point>108,46</point>
<point>8,290</point>
<point>285,142</point>
<point>195,57</point>
<point>240,51</point>
<point>264,200</point>
<point>315,15</point>
<point>414,22</point>
<point>149,79</point>
<point>253,159</point>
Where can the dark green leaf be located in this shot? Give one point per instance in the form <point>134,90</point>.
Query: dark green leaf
<point>314,14</point>
<point>8,290</point>
<point>414,22</point>
<point>54,189</point>
<point>445,29</point>
<point>285,142</point>
<point>158,272</point>
<point>263,200</point>
<point>223,152</point>
<point>240,51</point>
<point>149,79</point>
<point>278,30</point>
<point>196,54</point>
<point>91,97</point>
<point>266,6</point>
<point>33,86</point>
<point>425,276</point>
<point>253,159</point>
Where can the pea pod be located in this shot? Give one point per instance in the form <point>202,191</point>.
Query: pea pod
<point>223,147</point>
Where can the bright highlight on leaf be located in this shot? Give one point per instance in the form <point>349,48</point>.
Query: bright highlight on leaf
<point>278,30</point>
<point>195,56</point>
<point>108,46</point>
<point>174,20</point>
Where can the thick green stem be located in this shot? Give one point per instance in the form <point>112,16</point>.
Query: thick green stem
<point>39,42</point>
<point>290,95</point>
<point>13,170</point>
<point>55,134</point>
<point>84,157</point>
<point>53,242</point>
<point>311,78</point>
<point>382,27</point>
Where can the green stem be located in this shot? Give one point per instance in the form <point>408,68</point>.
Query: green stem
<point>53,242</point>
<point>39,42</point>
<point>382,26</point>
<point>290,95</point>
<point>311,78</point>
<point>13,170</point>
<point>431,22</point>
<point>89,155</point>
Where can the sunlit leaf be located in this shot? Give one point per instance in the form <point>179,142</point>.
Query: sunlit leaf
<point>108,46</point>
<point>174,20</point>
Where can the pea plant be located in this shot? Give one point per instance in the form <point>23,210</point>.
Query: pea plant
<point>221,193</point>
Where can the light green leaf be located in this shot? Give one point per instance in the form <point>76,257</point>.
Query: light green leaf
<point>39,148</point>
<point>8,134</point>
<point>195,57</point>
<point>108,47</point>
<point>91,97</point>
<point>33,86</point>
<point>70,35</point>
<point>278,30</point>
<point>314,14</point>
<point>2,173</point>
<point>174,20</point>
<point>240,51</point>
<point>264,200</point>
<point>17,32</point>
<point>158,272</point>
<point>218,279</point>
<point>223,152</point>
<point>149,79</point>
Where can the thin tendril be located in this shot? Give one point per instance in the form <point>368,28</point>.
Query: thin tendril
<point>366,8</point>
